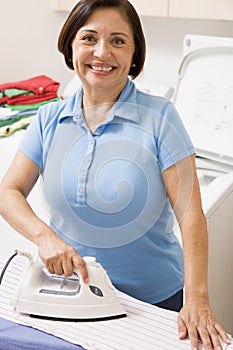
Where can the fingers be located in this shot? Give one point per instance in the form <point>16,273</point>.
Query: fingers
<point>55,268</point>
<point>222,334</point>
<point>59,263</point>
<point>62,260</point>
<point>209,337</point>
<point>65,265</point>
<point>182,329</point>
<point>193,337</point>
<point>200,324</point>
<point>79,263</point>
<point>188,330</point>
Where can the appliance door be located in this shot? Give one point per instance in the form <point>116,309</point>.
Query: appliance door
<point>204,100</point>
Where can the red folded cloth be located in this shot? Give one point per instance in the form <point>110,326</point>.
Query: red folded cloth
<point>28,99</point>
<point>39,85</point>
<point>42,87</point>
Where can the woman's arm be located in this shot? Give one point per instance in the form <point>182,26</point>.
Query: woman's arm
<point>16,185</point>
<point>196,318</point>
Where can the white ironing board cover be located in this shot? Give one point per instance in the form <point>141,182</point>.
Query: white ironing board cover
<point>204,95</point>
<point>146,327</point>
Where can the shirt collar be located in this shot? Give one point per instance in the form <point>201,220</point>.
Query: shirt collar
<point>125,107</point>
<point>73,107</point>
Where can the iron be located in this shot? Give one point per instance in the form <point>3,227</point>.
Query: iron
<point>43,295</point>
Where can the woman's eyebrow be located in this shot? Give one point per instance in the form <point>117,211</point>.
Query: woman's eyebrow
<point>95,32</point>
<point>88,30</point>
<point>119,33</point>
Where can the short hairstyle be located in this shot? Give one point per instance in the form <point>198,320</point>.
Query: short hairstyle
<point>81,13</point>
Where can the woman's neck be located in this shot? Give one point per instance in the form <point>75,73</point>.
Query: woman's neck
<point>96,106</point>
<point>96,115</point>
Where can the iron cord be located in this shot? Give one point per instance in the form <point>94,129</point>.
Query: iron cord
<point>6,266</point>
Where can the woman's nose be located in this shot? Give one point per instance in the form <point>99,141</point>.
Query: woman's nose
<point>102,50</point>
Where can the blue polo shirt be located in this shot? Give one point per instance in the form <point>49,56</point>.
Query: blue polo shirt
<point>104,191</point>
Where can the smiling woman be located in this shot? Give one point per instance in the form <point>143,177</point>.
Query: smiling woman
<point>117,164</point>
<point>79,17</point>
<point>103,47</point>
<point>102,56</point>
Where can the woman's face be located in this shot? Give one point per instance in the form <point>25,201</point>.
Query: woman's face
<point>103,50</point>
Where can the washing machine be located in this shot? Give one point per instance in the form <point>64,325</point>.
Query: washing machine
<point>204,100</point>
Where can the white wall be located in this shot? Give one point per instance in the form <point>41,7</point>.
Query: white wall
<point>165,40</point>
<point>29,31</point>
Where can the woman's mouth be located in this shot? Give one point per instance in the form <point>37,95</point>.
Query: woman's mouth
<point>104,69</point>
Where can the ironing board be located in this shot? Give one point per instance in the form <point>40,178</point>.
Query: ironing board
<point>14,336</point>
<point>146,327</point>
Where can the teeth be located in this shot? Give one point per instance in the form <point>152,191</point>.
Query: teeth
<point>102,69</point>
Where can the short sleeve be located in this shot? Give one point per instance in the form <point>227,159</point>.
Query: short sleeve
<point>174,142</point>
<point>31,144</point>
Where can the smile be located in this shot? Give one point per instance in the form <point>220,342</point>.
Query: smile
<point>102,69</point>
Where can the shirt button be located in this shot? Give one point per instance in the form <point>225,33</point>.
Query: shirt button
<point>99,129</point>
<point>80,189</point>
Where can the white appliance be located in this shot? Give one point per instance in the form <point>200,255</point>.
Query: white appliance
<point>49,296</point>
<point>204,100</point>
<point>9,238</point>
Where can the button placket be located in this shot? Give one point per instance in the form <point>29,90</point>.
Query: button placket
<point>83,174</point>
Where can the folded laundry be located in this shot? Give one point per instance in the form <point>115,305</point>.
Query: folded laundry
<point>6,113</point>
<point>24,98</point>
<point>16,92</point>
<point>25,107</point>
<point>33,90</point>
<point>38,84</point>
<point>16,126</point>
<point>28,99</point>
<point>8,95</point>
<point>17,117</point>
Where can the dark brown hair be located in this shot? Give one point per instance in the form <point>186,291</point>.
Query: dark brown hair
<point>81,13</point>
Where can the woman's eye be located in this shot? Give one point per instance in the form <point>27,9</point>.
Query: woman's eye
<point>118,41</point>
<point>89,39</point>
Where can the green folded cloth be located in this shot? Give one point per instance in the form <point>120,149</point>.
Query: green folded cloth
<point>15,119</point>
<point>21,124</point>
<point>17,92</point>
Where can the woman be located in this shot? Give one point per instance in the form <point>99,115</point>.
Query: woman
<point>116,165</point>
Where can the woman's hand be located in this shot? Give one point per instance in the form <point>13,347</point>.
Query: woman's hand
<point>59,257</point>
<point>196,320</point>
